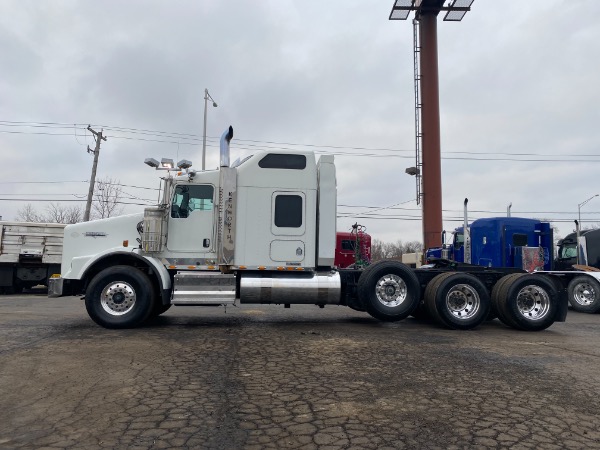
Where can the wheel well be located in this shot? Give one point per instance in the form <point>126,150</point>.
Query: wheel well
<point>122,259</point>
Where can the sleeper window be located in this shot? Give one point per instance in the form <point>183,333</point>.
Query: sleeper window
<point>288,211</point>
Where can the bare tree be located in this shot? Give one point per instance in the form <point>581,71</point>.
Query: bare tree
<point>57,213</point>
<point>107,198</point>
<point>412,247</point>
<point>74,214</point>
<point>385,250</point>
<point>106,203</point>
<point>377,251</point>
<point>393,250</point>
<point>28,214</point>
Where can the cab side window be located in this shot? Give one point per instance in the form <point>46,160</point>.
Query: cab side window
<point>189,198</point>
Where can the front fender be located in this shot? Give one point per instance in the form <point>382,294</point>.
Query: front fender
<point>81,265</point>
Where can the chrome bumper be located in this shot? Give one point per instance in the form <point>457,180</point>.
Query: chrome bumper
<point>55,287</point>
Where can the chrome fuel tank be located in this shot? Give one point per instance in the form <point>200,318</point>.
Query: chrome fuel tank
<point>298,288</point>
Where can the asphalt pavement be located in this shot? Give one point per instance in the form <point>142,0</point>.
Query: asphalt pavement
<point>254,377</point>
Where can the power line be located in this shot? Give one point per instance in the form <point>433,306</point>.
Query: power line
<point>77,181</point>
<point>502,213</point>
<point>36,132</point>
<point>446,219</point>
<point>43,182</point>
<point>67,200</point>
<point>251,144</point>
<point>368,207</point>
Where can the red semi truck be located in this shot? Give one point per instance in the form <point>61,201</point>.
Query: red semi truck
<point>352,248</point>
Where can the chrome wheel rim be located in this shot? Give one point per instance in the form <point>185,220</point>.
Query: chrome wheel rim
<point>463,301</point>
<point>533,302</point>
<point>117,298</point>
<point>584,294</point>
<point>391,290</point>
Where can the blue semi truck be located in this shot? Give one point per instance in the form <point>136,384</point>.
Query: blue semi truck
<point>527,244</point>
<point>499,242</point>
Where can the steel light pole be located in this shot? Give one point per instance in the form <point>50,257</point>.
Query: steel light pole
<point>207,97</point>
<point>579,221</point>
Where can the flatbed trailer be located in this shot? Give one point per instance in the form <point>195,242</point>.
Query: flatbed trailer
<point>29,254</point>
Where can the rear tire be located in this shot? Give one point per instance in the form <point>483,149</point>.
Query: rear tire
<point>458,300</point>
<point>120,297</point>
<point>429,296</point>
<point>528,302</point>
<point>389,290</point>
<point>498,299</point>
<point>584,294</point>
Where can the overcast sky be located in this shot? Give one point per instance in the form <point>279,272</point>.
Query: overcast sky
<point>519,96</point>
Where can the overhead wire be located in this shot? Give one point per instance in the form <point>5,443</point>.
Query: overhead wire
<point>68,200</point>
<point>251,144</point>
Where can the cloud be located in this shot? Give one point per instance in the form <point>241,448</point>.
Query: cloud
<point>335,77</point>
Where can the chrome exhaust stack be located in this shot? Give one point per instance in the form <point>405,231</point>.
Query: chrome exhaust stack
<point>224,145</point>
<point>466,236</point>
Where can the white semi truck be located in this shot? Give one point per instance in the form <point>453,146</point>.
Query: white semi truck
<point>264,231</point>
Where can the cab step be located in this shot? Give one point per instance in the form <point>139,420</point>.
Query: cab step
<point>197,288</point>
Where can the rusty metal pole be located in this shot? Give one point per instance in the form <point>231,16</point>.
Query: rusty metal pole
<point>430,121</point>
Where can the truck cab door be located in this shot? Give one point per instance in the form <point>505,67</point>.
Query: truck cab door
<point>458,248</point>
<point>192,220</point>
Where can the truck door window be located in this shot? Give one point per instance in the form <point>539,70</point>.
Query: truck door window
<point>348,245</point>
<point>459,240</point>
<point>188,198</point>
<point>288,211</point>
<point>519,240</point>
<point>568,251</point>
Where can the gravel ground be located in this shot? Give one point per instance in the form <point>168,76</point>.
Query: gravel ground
<point>258,377</point>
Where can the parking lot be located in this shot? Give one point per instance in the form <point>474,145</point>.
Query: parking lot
<point>268,377</point>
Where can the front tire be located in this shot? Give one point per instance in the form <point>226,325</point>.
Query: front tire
<point>389,290</point>
<point>120,297</point>
<point>584,294</point>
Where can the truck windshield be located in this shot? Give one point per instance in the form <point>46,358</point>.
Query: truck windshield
<point>567,251</point>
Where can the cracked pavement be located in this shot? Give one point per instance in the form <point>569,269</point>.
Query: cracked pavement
<point>259,377</point>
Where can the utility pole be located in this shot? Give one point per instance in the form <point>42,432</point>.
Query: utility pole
<point>98,136</point>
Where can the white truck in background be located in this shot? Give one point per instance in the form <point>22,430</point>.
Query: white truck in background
<point>29,254</point>
<point>264,231</point>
